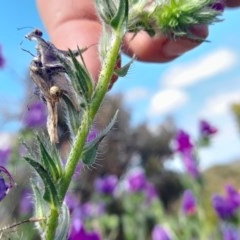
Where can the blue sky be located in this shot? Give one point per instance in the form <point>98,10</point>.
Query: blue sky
<point>200,84</point>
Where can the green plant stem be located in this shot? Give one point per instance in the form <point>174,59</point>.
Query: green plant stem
<point>75,155</point>
<point>106,73</point>
<point>89,114</point>
<point>52,224</point>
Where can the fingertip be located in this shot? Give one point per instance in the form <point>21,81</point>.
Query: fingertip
<point>144,47</point>
<point>174,48</point>
<point>200,31</point>
<point>73,24</point>
<point>82,34</point>
<point>161,48</point>
<point>233,3</point>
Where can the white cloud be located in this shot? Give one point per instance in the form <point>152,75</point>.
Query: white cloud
<point>175,164</point>
<point>135,94</point>
<point>202,68</point>
<point>220,104</point>
<point>166,101</point>
<point>6,140</point>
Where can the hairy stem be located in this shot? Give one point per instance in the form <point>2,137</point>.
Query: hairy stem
<point>75,154</point>
<point>52,224</point>
<point>89,114</point>
<point>106,73</point>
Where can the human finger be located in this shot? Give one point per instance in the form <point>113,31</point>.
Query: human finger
<point>162,48</point>
<point>73,24</point>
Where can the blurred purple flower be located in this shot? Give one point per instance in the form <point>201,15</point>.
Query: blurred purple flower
<point>226,206</point>
<point>5,187</point>
<point>2,59</point>
<point>230,233</point>
<point>36,116</point>
<point>183,142</point>
<point>191,164</point>
<point>78,232</point>
<point>78,170</point>
<point>206,129</point>
<point>219,5</point>
<point>92,134</point>
<point>4,156</point>
<point>150,192</point>
<point>185,148</point>
<point>26,204</point>
<point>160,233</point>
<point>72,201</point>
<point>232,195</point>
<point>222,207</point>
<point>189,203</point>
<point>90,210</point>
<point>136,180</point>
<point>106,184</point>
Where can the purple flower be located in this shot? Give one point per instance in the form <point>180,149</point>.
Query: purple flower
<point>222,207</point>
<point>219,5</point>
<point>191,164</point>
<point>26,205</point>
<point>226,206</point>
<point>90,210</point>
<point>189,203</point>
<point>92,134</point>
<point>206,129</point>
<point>78,232</point>
<point>107,184</point>
<point>136,180</point>
<point>183,142</point>
<point>185,147</point>
<point>5,187</point>
<point>230,233</point>
<point>72,201</point>
<point>232,195</point>
<point>2,59</point>
<point>160,233</point>
<point>150,192</point>
<point>36,116</point>
<point>4,156</point>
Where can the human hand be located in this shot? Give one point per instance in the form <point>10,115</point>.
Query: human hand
<point>75,23</point>
<point>232,3</point>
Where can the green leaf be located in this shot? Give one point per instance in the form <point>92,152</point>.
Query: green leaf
<point>74,117</point>
<point>106,10</point>
<point>90,150</point>
<point>109,126</point>
<point>51,164</point>
<point>82,81</point>
<point>89,153</point>
<point>40,206</point>
<point>31,151</point>
<point>112,15</point>
<point>63,223</point>
<point>50,194</point>
<point>122,72</point>
<point>121,16</point>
